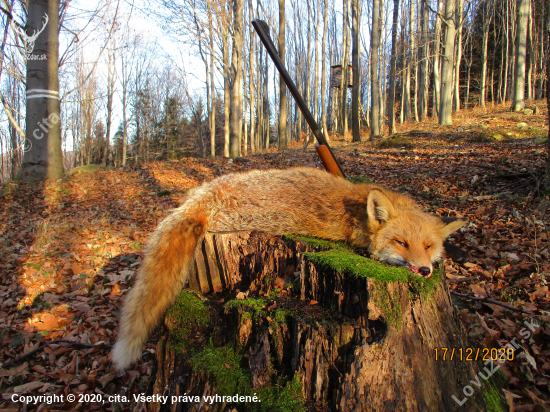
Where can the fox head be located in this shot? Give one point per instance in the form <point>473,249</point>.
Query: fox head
<point>402,235</point>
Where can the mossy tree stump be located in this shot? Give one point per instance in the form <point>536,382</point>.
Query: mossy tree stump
<point>316,326</point>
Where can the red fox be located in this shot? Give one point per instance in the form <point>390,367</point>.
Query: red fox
<point>301,201</point>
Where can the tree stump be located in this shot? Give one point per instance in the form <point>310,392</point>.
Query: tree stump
<point>306,324</point>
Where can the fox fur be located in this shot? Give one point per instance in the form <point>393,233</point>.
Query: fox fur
<point>301,201</point>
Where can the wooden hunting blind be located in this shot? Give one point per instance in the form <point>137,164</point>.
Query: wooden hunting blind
<point>336,75</point>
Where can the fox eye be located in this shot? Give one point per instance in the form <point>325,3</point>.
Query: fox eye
<point>402,243</point>
<point>429,246</point>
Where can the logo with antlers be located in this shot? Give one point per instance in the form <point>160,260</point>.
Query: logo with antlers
<point>30,39</point>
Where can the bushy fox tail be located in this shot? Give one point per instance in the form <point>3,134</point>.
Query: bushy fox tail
<point>168,259</point>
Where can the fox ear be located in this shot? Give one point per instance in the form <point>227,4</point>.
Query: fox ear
<point>452,224</point>
<point>379,207</point>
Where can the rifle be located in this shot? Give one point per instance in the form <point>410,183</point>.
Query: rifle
<point>323,149</point>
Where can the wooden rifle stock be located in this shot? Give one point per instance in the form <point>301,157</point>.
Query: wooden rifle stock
<point>323,149</point>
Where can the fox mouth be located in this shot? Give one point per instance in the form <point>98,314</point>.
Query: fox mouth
<point>394,260</point>
<point>423,273</point>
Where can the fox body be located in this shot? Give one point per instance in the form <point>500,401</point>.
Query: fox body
<point>301,201</point>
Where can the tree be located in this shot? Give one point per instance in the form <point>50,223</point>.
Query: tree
<point>236,81</point>
<point>521,52</point>
<point>487,18</point>
<point>423,52</point>
<point>393,69</point>
<point>43,126</point>
<point>375,95</point>
<point>323,71</point>
<point>356,71</point>
<point>344,81</point>
<point>546,181</point>
<point>446,100</point>
<point>283,141</point>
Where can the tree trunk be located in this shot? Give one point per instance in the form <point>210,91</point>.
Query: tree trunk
<point>521,52</point>
<point>375,94</point>
<point>348,343</point>
<point>43,126</point>
<point>412,62</point>
<point>344,80</point>
<point>437,61</point>
<point>251,76</point>
<point>546,181</point>
<point>226,90</point>
<point>487,17</point>
<point>212,103</point>
<point>446,103</point>
<point>124,122</point>
<point>236,116</point>
<point>283,141</point>
<point>423,63</point>
<point>393,69</point>
<point>458,59</point>
<point>110,93</point>
<point>356,91</point>
<point>530,41</point>
<point>323,73</point>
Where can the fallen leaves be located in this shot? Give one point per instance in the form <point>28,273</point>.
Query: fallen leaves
<point>69,252</point>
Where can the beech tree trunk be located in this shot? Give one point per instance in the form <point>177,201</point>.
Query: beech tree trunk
<point>283,140</point>
<point>356,71</point>
<point>44,157</point>
<point>446,102</point>
<point>521,53</point>
<point>354,343</point>
<point>393,70</point>
<point>375,84</point>
<point>236,116</point>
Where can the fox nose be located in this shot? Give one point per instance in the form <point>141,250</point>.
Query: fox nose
<point>425,271</point>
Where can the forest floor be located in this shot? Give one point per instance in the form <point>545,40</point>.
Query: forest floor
<point>68,248</point>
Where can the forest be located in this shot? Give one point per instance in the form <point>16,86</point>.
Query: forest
<point>114,110</point>
<point>124,100</point>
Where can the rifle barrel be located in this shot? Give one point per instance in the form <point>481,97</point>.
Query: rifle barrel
<point>263,31</point>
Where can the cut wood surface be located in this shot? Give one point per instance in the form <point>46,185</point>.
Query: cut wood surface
<point>292,318</point>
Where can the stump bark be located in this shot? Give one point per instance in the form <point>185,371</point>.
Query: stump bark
<point>313,326</point>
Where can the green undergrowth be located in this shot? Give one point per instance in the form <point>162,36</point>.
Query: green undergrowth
<point>187,313</point>
<point>232,377</point>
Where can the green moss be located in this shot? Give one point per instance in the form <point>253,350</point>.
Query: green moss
<point>225,365</point>
<point>287,398</point>
<point>318,243</point>
<point>252,308</point>
<point>187,313</point>
<point>91,168</point>
<point>342,260</point>
<point>345,261</point>
<point>249,304</point>
<point>359,179</point>
<point>395,142</point>
<point>388,304</point>
<point>493,398</point>
<point>283,315</point>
